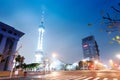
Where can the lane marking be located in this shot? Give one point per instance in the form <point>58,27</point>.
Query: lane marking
<point>115,79</point>
<point>96,78</point>
<point>88,78</point>
<point>81,78</point>
<point>105,79</point>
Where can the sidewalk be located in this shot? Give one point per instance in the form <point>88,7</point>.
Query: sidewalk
<point>18,78</point>
<point>8,78</point>
<point>5,75</point>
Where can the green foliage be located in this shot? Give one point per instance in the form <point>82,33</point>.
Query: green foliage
<point>31,66</point>
<point>20,60</point>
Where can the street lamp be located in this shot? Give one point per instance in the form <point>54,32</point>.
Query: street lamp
<point>54,55</point>
<point>16,54</point>
<point>111,63</point>
<point>118,56</point>
<point>83,63</point>
<point>47,65</point>
<point>95,64</point>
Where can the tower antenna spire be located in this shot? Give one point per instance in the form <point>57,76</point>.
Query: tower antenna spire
<point>39,53</point>
<point>42,17</point>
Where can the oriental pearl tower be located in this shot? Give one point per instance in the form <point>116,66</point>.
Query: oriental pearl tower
<point>39,54</point>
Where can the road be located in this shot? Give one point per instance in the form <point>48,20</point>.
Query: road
<point>76,75</point>
<point>85,75</point>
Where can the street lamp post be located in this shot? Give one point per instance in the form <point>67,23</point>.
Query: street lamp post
<point>46,65</point>
<point>111,63</point>
<point>118,56</point>
<point>54,55</point>
<point>95,64</point>
<point>16,54</point>
<point>84,64</point>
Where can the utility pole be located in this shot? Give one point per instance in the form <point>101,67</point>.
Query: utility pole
<point>16,54</point>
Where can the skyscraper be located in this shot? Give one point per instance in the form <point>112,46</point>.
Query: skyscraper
<point>90,48</point>
<point>39,53</point>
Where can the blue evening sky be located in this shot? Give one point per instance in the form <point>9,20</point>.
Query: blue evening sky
<point>66,24</point>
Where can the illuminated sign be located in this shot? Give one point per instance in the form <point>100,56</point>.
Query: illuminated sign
<point>85,45</point>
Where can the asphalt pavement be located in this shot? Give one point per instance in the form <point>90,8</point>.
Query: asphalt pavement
<point>72,75</point>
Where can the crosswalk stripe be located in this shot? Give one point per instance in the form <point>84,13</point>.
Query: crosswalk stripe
<point>88,78</point>
<point>79,78</point>
<point>115,79</point>
<point>96,78</point>
<point>105,79</point>
<point>76,77</point>
<point>82,77</point>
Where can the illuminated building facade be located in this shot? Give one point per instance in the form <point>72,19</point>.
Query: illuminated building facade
<point>90,48</point>
<point>39,55</point>
<point>9,38</point>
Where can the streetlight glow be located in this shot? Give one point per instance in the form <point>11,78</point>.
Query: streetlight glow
<point>118,56</point>
<point>96,62</point>
<point>111,61</point>
<point>54,55</point>
<point>83,60</point>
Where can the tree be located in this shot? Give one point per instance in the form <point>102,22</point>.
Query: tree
<point>20,60</point>
<point>2,58</point>
<point>113,22</point>
<point>30,66</point>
